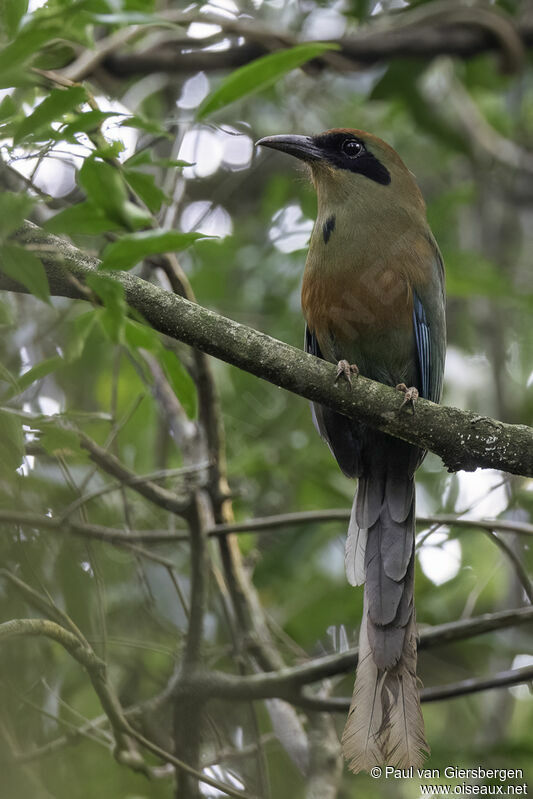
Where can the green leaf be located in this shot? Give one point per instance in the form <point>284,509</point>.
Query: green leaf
<point>141,158</point>
<point>6,315</point>
<point>39,371</point>
<point>70,18</point>
<point>14,208</point>
<point>87,122</point>
<point>85,217</point>
<point>105,188</point>
<point>57,440</point>
<point>11,443</point>
<point>25,45</point>
<point>111,325</point>
<point>141,336</point>
<point>109,150</point>
<point>144,185</point>
<point>139,5</point>
<point>145,124</point>
<point>8,108</point>
<point>7,377</point>
<point>57,54</point>
<point>167,163</point>
<point>79,331</point>
<point>16,77</point>
<point>11,12</point>
<point>24,267</point>
<point>107,192</point>
<point>136,217</point>
<point>180,380</point>
<point>110,291</point>
<point>132,248</point>
<point>111,294</point>
<point>144,157</point>
<point>260,74</point>
<point>52,109</point>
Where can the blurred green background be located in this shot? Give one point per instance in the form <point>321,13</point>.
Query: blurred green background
<point>464,126</point>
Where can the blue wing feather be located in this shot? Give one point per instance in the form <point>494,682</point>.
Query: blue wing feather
<point>423,346</point>
<point>429,324</point>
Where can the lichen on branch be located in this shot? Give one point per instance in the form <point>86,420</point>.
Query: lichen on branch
<point>464,440</point>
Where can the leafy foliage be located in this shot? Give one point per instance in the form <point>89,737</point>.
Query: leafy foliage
<point>260,74</point>
<point>135,167</point>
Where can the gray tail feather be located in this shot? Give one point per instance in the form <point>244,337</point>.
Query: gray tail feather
<point>385,723</point>
<point>354,552</point>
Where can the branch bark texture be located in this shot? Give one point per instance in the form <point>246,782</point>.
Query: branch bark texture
<point>464,440</point>
<point>461,32</point>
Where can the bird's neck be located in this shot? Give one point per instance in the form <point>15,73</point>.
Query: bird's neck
<point>366,221</point>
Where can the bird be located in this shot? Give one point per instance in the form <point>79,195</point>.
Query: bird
<point>373,298</point>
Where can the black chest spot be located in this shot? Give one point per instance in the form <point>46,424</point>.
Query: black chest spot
<point>327,228</point>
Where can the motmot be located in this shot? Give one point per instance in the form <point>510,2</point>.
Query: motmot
<point>373,299</point>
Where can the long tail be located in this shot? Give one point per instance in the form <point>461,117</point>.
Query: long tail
<point>385,723</point>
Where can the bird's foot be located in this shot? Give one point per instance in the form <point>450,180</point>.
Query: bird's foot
<point>411,395</point>
<point>346,370</point>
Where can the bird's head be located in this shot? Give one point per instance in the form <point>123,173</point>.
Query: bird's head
<point>351,165</point>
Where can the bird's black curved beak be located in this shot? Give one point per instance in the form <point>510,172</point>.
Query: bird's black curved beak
<point>302,147</point>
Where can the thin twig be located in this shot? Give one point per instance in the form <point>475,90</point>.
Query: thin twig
<point>159,474</point>
<point>261,524</point>
<point>96,669</point>
<point>169,758</point>
<point>516,564</point>
<point>284,682</point>
<point>188,707</point>
<point>151,491</point>
<point>109,534</point>
<point>43,604</point>
<point>503,679</point>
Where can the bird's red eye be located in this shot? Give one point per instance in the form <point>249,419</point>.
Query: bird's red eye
<point>352,148</point>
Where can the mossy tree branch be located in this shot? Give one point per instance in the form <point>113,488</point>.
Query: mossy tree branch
<point>464,440</point>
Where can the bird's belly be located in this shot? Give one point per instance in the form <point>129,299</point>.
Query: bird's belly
<point>388,356</point>
<point>365,321</point>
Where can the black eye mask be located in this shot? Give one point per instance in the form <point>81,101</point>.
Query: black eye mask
<point>335,148</point>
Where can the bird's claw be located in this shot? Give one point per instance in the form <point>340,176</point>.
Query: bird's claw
<point>346,370</point>
<point>411,395</point>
